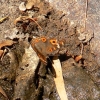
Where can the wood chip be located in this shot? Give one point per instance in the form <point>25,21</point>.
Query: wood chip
<point>59,79</point>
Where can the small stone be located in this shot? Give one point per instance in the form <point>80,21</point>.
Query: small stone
<point>29,5</point>
<point>22,6</point>
<point>82,37</point>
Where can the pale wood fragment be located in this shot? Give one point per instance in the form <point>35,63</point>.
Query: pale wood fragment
<point>59,82</point>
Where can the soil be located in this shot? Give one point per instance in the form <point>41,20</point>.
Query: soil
<point>24,77</point>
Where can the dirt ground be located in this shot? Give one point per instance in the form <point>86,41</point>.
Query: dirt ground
<point>23,76</point>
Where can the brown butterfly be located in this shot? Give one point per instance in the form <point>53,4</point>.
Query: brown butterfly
<point>45,47</point>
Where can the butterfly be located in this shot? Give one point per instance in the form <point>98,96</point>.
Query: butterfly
<point>45,47</point>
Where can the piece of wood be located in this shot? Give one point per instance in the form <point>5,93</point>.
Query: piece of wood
<point>59,82</point>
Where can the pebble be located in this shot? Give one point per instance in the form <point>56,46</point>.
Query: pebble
<point>22,6</point>
<point>29,5</point>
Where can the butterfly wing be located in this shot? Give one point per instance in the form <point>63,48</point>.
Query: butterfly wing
<point>37,46</point>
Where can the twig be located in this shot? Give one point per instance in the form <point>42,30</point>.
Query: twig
<point>86,12</point>
<point>81,48</point>
<point>36,23</point>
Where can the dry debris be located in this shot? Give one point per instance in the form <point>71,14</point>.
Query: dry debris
<point>25,18</point>
<point>3,19</point>
<point>6,43</point>
<point>3,92</point>
<point>3,44</point>
<point>78,58</point>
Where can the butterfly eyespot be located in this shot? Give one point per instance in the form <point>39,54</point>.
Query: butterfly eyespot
<point>61,42</point>
<point>43,39</point>
<point>54,48</point>
<point>54,42</point>
<point>50,50</point>
<point>37,40</point>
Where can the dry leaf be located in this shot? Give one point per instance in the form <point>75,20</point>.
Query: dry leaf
<point>59,82</point>
<point>3,92</point>
<point>78,58</point>
<point>23,18</point>
<point>6,43</point>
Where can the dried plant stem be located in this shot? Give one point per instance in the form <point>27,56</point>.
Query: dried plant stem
<point>86,7</point>
<point>59,82</point>
<point>36,23</point>
<point>81,48</point>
